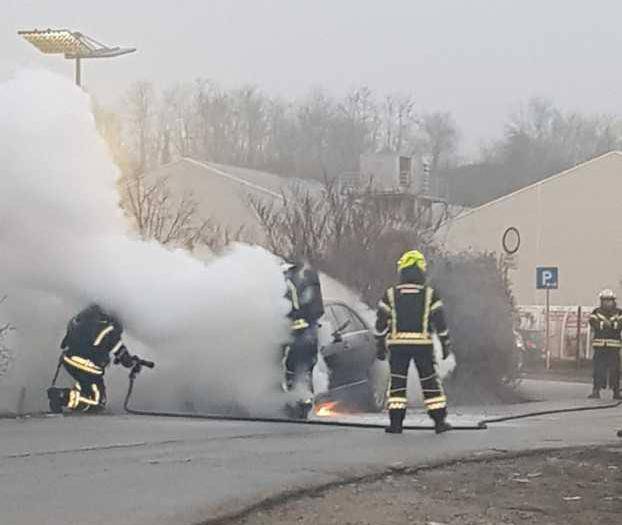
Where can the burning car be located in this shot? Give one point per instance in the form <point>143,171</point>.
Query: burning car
<point>356,379</point>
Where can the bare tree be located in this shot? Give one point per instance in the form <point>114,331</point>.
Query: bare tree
<point>141,107</point>
<point>541,140</point>
<point>170,220</point>
<point>398,120</point>
<point>309,137</point>
<point>110,126</point>
<point>439,139</point>
<point>349,236</point>
<point>176,122</point>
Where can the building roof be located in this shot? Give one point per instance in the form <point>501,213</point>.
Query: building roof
<point>574,171</point>
<point>569,221</point>
<point>223,192</point>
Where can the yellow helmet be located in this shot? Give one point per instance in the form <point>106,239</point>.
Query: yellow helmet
<point>411,258</point>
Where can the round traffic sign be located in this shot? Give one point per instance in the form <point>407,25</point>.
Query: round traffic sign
<point>511,240</point>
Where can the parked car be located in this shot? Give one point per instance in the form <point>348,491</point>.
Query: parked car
<point>348,347</point>
<point>534,347</point>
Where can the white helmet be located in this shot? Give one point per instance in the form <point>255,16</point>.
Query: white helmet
<point>607,294</point>
<point>286,266</point>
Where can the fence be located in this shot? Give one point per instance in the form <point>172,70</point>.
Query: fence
<point>569,330</point>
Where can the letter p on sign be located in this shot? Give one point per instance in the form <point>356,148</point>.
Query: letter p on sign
<point>547,277</point>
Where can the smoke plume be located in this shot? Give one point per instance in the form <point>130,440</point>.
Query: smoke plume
<point>213,329</point>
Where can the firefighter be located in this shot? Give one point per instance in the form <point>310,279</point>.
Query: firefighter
<point>606,323</point>
<point>300,354</point>
<point>407,316</point>
<point>92,337</point>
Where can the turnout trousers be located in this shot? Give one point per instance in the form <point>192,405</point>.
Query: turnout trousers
<point>434,398</point>
<point>299,359</point>
<point>89,392</point>
<point>606,368</point>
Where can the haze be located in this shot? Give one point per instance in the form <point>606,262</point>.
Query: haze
<point>478,59</point>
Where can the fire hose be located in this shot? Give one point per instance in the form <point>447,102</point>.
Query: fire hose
<point>481,425</point>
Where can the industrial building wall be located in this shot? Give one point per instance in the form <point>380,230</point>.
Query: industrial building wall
<point>572,220</point>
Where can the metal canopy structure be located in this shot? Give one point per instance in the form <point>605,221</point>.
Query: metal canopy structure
<point>73,44</point>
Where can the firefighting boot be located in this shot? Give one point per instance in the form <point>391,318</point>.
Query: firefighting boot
<point>396,418</point>
<point>58,398</point>
<point>442,426</point>
<point>595,394</point>
<point>304,408</point>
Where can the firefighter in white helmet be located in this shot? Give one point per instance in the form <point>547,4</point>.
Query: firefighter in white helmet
<point>606,323</point>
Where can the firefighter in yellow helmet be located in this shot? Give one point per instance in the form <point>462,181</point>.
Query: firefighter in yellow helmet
<point>408,314</point>
<point>606,324</point>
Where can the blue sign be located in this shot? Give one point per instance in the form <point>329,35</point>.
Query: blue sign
<point>547,277</point>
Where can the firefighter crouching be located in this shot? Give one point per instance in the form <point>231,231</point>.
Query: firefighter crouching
<point>408,314</point>
<point>92,337</point>
<point>606,324</point>
<point>300,355</point>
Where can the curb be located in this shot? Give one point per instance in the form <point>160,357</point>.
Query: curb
<point>231,517</point>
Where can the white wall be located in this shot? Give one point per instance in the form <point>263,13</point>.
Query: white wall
<point>572,220</point>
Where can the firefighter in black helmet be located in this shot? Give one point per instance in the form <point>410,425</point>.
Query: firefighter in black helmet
<point>300,355</point>
<point>92,337</point>
<point>606,324</point>
<point>408,314</point>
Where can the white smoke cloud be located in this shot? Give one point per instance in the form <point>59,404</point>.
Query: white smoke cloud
<point>214,330</point>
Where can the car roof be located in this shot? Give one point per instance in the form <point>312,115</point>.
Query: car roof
<point>337,301</point>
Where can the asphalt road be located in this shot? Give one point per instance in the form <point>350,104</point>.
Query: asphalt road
<point>146,470</point>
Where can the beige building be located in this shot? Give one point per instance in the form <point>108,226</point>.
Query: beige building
<point>572,220</point>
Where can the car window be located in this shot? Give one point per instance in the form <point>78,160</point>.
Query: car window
<point>343,315</point>
<point>356,324</point>
<point>328,319</point>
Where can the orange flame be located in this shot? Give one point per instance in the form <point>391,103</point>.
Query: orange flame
<point>327,409</point>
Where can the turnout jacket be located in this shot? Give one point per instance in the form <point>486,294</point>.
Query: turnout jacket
<point>90,339</point>
<point>607,328</point>
<point>409,313</point>
<point>305,295</point>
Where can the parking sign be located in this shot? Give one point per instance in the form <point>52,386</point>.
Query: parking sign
<point>547,277</point>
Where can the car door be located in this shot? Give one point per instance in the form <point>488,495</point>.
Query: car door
<point>352,354</point>
<point>331,343</point>
<point>360,341</point>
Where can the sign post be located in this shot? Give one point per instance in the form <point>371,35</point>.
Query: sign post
<point>578,364</point>
<point>547,278</point>
<point>510,241</point>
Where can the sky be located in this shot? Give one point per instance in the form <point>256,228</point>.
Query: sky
<point>478,59</point>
